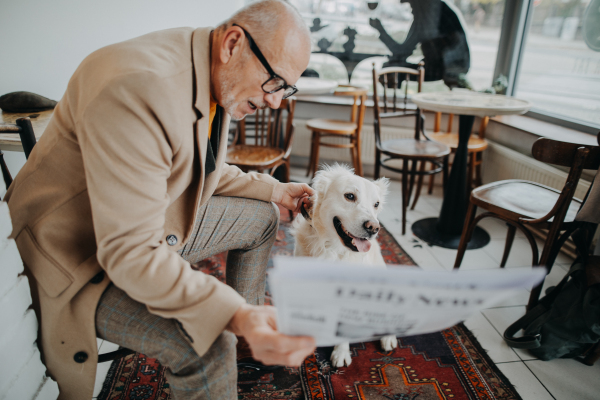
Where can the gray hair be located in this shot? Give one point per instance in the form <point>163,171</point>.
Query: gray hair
<point>264,19</point>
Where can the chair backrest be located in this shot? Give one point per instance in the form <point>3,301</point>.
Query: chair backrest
<point>387,98</point>
<point>359,104</point>
<point>265,127</point>
<point>576,156</point>
<point>24,375</point>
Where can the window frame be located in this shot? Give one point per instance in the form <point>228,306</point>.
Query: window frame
<point>516,22</point>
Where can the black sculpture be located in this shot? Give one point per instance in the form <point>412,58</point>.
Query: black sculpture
<point>438,29</point>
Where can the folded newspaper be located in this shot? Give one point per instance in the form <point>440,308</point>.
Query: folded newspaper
<point>337,302</point>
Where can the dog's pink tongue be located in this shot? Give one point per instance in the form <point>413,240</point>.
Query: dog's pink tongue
<point>363,245</point>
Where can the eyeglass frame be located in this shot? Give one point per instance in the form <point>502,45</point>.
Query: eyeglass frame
<point>263,61</point>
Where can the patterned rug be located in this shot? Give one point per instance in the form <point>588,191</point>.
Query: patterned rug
<point>444,365</point>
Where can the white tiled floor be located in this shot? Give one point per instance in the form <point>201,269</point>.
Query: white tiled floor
<point>533,379</point>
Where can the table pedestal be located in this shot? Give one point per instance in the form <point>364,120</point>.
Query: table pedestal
<point>446,230</point>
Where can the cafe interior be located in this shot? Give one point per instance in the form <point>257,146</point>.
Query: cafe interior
<point>484,115</point>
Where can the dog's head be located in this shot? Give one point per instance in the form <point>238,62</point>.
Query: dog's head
<point>345,206</point>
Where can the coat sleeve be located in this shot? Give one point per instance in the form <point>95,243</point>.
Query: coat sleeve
<point>127,157</point>
<point>252,185</point>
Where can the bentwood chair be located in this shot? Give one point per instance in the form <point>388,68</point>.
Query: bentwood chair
<point>414,153</point>
<point>264,140</point>
<point>525,205</point>
<point>23,128</point>
<point>322,127</point>
<point>475,147</point>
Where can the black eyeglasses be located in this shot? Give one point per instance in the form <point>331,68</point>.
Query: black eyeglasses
<point>275,82</point>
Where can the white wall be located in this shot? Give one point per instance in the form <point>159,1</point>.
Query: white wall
<point>43,41</point>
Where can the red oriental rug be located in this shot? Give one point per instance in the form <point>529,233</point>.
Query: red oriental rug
<point>444,365</point>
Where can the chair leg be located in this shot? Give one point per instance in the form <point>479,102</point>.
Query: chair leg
<point>411,186</point>
<point>377,163</point>
<point>316,149</point>
<point>547,261</point>
<point>465,238</point>
<point>312,154</point>
<point>431,181</point>
<point>510,237</point>
<point>405,195</point>
<point>359,158</point>
<point>419,184</point>
<point>353,156</point>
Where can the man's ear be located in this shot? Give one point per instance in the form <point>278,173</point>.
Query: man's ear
<point>231,43</point>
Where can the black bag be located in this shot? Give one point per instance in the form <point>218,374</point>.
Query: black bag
<point>566,322</point>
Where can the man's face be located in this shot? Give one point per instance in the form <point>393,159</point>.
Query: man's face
<point>241,79</point>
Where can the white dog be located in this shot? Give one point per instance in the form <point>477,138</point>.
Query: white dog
<point>342,224</point>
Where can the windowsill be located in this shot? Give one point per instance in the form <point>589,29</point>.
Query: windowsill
<point>523,123</point>
<point>540,128</point>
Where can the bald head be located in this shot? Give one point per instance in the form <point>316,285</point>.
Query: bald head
<point>238,75</point>
<point>273,23</point>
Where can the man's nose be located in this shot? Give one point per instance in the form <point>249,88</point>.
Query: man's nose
<point>273,100</point>
<point>372,227</point>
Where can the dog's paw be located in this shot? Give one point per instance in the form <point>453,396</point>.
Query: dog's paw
<point>389,343</point>
<point>341,356</point>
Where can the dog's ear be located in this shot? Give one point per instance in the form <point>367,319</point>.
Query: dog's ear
<point>383,185</point>
<point>321,182</point>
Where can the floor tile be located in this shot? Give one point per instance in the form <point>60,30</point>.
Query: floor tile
<point>99,343</point>
<point>107,347</point>
<point>526,383</point>
<point>101,372</point>
<point>568,378</point>
<point>520,253</point>
<point>501,318</point>
<point>419,251</point>
<point>490,339</point>
<point>473,259</point>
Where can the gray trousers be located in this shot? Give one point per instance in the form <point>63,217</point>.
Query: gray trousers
<point>247,228</point>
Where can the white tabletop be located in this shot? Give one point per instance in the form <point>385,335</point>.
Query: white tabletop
<point>470,103</point>
<point>311,86</point>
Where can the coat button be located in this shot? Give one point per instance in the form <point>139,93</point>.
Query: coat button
<point>80,357</point>
<point>172,240</point>
<point>99,277</point>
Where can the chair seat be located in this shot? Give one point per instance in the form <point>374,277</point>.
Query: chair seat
<point>331,126</point>
<point>253,156</point>
<point>475,145</point>
<point>522,198</point>
<point>414,148</point>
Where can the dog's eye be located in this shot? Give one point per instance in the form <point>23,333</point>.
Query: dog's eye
<point>350,196</point>
<point>376,204</point>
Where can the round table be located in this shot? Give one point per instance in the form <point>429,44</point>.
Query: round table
<point>311,86</point>
<point>445,231</point>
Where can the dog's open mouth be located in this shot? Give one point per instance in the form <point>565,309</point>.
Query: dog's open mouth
<point>350,241</point>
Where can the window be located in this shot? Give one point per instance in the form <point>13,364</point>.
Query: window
<point>559,71</point>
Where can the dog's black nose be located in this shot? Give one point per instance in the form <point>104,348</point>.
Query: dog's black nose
<point>372,227</point>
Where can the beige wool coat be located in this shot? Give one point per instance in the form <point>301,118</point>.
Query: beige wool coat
<point>119,168</point>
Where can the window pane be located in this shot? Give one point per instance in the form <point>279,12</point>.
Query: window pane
<point>349,26</point>
<point>559,72</point>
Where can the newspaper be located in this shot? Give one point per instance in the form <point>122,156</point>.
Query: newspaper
<point>337,302</point>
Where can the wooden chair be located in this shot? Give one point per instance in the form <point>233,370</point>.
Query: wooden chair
<point>322,127</point>
<point>477,144</point>
<point>417,151</point>
<point>23,128</point>
<point>260,144</point>
<point>523,203</point>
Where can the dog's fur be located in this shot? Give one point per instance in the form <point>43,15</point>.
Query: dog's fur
<point>353,203</point>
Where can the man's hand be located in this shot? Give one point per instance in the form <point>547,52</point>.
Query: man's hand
<point>291,195</point>
<point>258,325</point>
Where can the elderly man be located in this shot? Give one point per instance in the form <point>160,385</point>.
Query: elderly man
<point>128,186</point>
